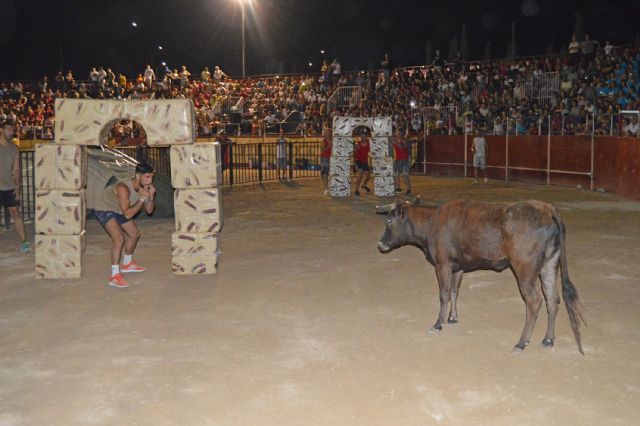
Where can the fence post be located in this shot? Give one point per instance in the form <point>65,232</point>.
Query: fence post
<point>424,152</point>
<point>611,125</point>
<point>593,138</point>
<point>506,152</point>
<point>290,161</point>
<point>549,152</point>
<point>465,146</point>
<point>260,162</point>
<point>231,163</point>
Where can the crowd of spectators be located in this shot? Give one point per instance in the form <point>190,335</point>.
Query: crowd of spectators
<point>593,81</point>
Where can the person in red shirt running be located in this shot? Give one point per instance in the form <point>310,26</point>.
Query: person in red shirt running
<point>401,161</point>
<point>325,158</point>
<point>362,163</point>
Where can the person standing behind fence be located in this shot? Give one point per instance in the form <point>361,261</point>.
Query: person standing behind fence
<point>225,144</point>
<point>401,161</point>
<point>325,158</point>
<point>10,183</point>
<point>479,149</point>
<point>281,156</point>
<point>361,154</point>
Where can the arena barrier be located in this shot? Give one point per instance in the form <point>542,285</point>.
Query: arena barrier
<point>607,163</point>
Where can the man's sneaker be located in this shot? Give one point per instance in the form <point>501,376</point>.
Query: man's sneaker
<point>132,267</point>
<point>475,181</point>
<point>118,281</point>
<point>326,192</point>
<point>408,192</point>
<point>486,180</point>
<point>366,188</point>
<point>398,190</point>
<point>25,247</point>
<point>357,193</point>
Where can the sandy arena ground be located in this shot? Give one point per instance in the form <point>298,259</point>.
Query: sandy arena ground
<point>307,323</point>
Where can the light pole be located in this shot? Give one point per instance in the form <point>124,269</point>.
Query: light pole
<point>243,43</point>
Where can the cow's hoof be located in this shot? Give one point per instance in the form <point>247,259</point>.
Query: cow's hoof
<point>547,343</point>
<point>519,347</point>
<point>435,329</point>
<point>452,320</point>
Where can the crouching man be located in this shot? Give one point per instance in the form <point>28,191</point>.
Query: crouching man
<point>115,209</point>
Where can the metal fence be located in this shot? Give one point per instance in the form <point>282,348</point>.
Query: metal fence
<point>345,97</point>
<point>517,127</point>
<point>242,163</point>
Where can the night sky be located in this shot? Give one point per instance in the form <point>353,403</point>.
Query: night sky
<point>42,37</point>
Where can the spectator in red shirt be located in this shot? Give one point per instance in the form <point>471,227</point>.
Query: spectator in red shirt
<point>361,155</point>
<point>401,161</point>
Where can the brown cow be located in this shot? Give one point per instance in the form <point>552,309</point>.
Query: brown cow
<point>464,236</point>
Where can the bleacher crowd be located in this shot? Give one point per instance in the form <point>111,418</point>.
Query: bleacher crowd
<point>594,81</point>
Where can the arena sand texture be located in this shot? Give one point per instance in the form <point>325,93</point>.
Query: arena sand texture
<point>307,323</point>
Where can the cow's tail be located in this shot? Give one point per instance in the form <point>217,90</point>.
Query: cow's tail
<point>569,291</point>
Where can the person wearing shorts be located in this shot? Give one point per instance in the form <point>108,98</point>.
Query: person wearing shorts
<point>115,209</point>
<point>10,180</point>
<point>361,154</point>
<point>325,158</point>
<point>401,162</point>
<point>479,148</point>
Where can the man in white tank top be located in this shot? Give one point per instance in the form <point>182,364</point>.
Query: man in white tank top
<point>115,209</point>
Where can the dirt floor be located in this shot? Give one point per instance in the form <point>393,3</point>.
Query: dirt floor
<point>307,323</point>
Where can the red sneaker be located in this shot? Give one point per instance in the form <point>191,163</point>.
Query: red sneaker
<point>132,267</point>
<point>118,281</point>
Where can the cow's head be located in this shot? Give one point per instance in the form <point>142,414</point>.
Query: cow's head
<point>399,230</point>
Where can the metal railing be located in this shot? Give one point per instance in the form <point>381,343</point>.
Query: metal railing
<point>345,97</point>
<point>244,163</point>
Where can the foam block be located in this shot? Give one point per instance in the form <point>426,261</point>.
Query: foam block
<point>86,121</point>
<point>380,147</point>
<point>165,121</point>
<point>194,253</point>
<point>340,166</point>
<point>89,121</point>
<point>340,185</point>
<point>198,210</point>
<point>60,212</point>
<point>382,167</point>
<point>342,147</point>
<point>343,126</point>
<point>383,186</point>
<point>196,166</point>
<point>381,126</point>
<point>60,166</point>
<point>59,256</point>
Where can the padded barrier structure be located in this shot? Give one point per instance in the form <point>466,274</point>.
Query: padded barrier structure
<point>340,174</point>
<point>61,178</point>
<point>196,173</point>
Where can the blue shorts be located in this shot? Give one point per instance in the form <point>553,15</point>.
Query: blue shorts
<point>104,217</point>
<point>8,198</point>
